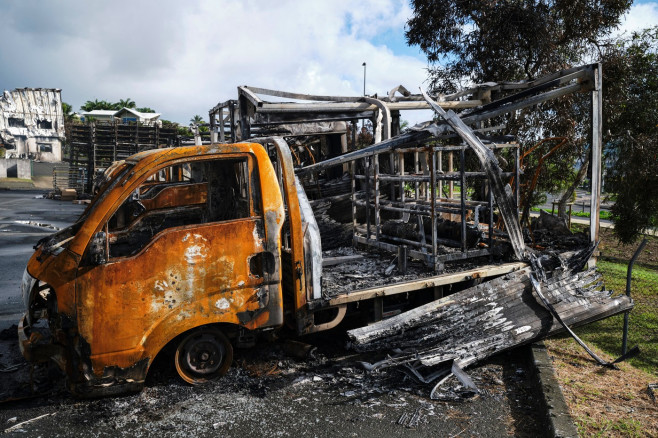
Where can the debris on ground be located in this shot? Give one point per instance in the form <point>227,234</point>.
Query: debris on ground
<point>515,309</point>
<point>20,425</point>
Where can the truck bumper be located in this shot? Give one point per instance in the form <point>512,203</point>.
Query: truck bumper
<point>38,348</point>
<point>35,348</point>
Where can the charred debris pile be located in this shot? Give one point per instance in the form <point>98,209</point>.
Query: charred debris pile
<point>446,194</point>
<point>441,338</point>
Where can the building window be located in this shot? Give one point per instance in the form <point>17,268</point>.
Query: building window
<point>45,147</point>
<point>127,120</point>
<point>44,124</point>
<point>15,122</point>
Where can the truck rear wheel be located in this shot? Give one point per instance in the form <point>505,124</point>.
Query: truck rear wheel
<point>203,355</point>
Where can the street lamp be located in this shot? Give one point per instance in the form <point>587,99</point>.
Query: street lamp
<point>363,122</point>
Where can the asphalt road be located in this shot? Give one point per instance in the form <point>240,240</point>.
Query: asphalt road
<point>25,217</point>
<point>266,392</point>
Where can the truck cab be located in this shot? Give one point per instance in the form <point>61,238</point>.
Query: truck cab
<point>180,245</point>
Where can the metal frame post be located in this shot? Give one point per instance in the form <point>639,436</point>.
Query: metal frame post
<point>597,119</point>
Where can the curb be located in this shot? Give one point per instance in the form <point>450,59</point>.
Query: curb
<point>16,185</point>
<point>558,418</point>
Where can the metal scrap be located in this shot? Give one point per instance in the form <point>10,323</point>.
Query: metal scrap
<point>24,423</point>
<point>502,192</point>
<point>469,326</point>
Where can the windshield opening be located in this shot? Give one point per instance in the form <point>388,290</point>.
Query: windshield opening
<point>57,242</point>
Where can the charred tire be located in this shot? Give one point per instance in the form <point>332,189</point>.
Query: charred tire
<point>203,355</point>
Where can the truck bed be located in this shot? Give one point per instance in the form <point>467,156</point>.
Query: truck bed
<point>362,275</point>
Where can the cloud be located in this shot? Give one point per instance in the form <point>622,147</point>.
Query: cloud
<point>181,58</point>
<point>640,16</point>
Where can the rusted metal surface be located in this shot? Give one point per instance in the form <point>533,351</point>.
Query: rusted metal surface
<point>188,194</point>
<point>113,317</point>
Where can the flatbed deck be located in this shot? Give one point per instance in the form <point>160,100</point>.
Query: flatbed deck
<point>362,276</point>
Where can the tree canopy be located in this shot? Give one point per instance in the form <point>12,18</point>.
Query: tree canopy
<point>470,41</point>
<point>96,104</point>
<point>67,111</point>
<point>630,87</point>
<point>508,40</point>
<point>197,120</point>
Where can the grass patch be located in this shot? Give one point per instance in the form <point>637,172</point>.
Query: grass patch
<point>16,180</point>
<point>603,214</point>
<point>604,402</point>
<point>643,319</point>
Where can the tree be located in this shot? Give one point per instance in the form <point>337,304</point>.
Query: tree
<point>630,111</point>
<point>67,111</point>
<point>145,109</point>
<point>478,41</point>
<point>197,120</point>
<point>509,40</point>
<point>125,103</point>
<point>96,104</point>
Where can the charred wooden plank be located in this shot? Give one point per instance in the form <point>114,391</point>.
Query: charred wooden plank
<point>491,317</point>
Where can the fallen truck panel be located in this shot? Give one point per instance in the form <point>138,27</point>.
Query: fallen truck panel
<point>491,317</point>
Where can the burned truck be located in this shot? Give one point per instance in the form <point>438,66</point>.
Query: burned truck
<point>196,250</point>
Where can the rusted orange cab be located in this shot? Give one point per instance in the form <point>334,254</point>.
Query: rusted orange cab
<point>179,245</point>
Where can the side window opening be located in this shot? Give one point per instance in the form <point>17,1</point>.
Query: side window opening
<point>15,122</point>
<point>44,124</point>
<point>191,193</point>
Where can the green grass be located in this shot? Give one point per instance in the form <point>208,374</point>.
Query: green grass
<point>643,319</point>
<point>603,214</point>
<point>15,180</point>
<point>627,428</point>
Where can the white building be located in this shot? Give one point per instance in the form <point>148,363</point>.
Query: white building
<point>32,123</point>
<point>99,115</point>
<point>125,115</point>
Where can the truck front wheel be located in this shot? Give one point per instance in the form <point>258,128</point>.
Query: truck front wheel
<point>202,355</point>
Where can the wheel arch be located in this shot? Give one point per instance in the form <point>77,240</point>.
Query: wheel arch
<point>166,345</point>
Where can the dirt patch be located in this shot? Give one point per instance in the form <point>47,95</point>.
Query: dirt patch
<point>604,402</point>
<point>613,250</point>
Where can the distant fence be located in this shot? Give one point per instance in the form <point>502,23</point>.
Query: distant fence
<point>65,177</point>
<point>93,146</point>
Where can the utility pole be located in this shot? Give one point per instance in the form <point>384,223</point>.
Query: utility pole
<point>363,122</point>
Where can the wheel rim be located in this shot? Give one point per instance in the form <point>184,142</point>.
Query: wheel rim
<point>203,355</point>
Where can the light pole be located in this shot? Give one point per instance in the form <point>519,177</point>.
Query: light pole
<point>363,122</point>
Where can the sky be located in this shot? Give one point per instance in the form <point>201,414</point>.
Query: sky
<point>182,58</point>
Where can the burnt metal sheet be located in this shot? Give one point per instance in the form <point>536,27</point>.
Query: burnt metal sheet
<point>502,192</point>
<point>494,316</point>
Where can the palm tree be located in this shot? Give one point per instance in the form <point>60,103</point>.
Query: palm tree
<point>197,120</point>
<point>90,105</point>
<point>67,111</point>
<point>126,103</point>
<point>96,104</point>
